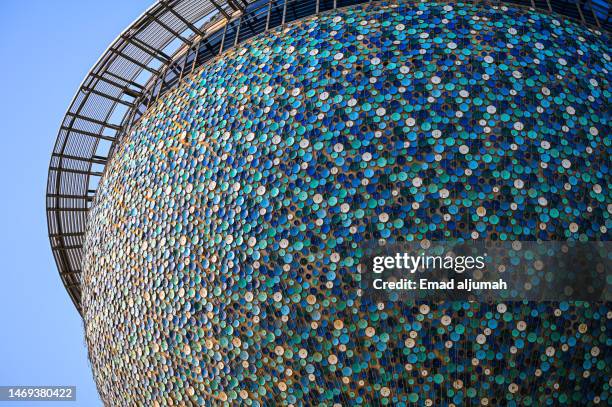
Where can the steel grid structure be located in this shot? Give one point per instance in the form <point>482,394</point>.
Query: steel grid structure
<point>168,41</point>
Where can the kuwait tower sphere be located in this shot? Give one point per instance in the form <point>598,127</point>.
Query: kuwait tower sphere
<point>221,250</point>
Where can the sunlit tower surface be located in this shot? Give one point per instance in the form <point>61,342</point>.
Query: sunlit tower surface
<point>222,162</point>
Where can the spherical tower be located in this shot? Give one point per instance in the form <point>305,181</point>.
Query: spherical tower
<point>219,253</point>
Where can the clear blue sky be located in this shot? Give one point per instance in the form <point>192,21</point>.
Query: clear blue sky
<point>46,48</point>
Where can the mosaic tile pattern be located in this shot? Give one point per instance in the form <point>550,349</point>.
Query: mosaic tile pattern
<point>221,254</point>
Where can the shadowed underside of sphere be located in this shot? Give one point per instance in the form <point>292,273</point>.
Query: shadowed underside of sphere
<point>222,248</point>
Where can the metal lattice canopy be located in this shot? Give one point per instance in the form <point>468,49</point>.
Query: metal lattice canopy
<point>167,42</point>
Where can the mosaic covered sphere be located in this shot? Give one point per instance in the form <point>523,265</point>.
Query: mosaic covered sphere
<point>222,248</point>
